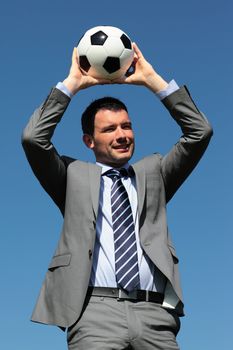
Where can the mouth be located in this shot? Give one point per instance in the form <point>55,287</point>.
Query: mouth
<point>124,147</point>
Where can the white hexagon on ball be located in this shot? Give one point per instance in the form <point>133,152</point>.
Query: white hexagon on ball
<point>96,55</point>
<point>84,44</point>
<point>114,46</point>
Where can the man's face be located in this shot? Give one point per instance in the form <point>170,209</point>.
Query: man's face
<point>113,139</point>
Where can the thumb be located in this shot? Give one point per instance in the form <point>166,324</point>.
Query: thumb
<point>74,56</point>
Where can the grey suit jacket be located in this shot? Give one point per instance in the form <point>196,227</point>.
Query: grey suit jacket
<point>74,187</point>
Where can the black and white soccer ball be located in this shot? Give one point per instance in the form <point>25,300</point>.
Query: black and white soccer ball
<point>105,52</point>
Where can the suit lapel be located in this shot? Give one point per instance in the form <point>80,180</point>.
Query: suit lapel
<point>140,183</point>
<point>94,176</point>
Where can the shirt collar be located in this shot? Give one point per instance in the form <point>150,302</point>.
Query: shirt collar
<point>107,167</point>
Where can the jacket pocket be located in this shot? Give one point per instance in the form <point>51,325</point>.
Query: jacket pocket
<point>59,261</point>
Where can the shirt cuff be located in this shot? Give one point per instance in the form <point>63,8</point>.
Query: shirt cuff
<point>172,87</point>
<point>60,86</point>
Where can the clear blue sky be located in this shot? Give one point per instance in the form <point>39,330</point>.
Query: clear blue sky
<point>190,41</point>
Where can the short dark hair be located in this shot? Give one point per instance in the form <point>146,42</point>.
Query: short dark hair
<point>88,116</point>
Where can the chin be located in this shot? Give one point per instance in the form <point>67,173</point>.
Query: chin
<point>122,160</point>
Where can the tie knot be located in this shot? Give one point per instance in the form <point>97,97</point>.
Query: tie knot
<point>116,173</point>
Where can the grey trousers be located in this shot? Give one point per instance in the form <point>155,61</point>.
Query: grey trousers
<point>109,324</point>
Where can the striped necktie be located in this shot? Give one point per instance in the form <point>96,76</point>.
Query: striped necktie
<point>126,259</point>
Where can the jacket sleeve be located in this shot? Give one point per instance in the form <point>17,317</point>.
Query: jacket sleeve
<point>186,153</point>
<point>48,166</point>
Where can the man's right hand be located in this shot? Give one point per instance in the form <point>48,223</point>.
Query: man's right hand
<point>78,80</point>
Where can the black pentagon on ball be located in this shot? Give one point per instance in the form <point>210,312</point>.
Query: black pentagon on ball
<point>84,63</point>
<point>98,38</point>
<point>112,64</point>
<point>126,41</point>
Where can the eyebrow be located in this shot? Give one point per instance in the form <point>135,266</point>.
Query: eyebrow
<point>108,126</point>
<point>114,125</point>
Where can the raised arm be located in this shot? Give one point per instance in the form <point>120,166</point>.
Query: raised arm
<point>48,166</point>
<point>196,130</point>
<point>186,153</point>
<point>46,163</point>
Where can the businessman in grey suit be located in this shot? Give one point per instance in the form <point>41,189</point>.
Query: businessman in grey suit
<point>81,292</point>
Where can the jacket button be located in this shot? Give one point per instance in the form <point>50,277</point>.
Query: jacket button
<point>90,253</point>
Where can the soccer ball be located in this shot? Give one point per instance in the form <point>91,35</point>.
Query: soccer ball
<point>105,52</point>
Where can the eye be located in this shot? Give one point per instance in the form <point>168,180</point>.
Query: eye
<point>109,129</point>
<point>127,126</point>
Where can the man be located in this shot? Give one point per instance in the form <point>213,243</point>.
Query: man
<point>114,289</point>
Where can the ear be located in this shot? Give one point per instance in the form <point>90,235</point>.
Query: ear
<point>88,140</point>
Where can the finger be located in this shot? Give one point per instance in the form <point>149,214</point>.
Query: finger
<point>99,81</point>
<point>118,80</point>
<point>74,55</point>
<point>137,51</point>
<point>75,60</point>
<point>84,73</point>
<point>103,81</point>
<point>123,80</point>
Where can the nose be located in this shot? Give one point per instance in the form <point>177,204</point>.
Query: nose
<point>120,134</point>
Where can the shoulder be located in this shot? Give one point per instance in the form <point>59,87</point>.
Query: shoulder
<point>149,163</point>
<point>80,164</point>
<point>68,160</point>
